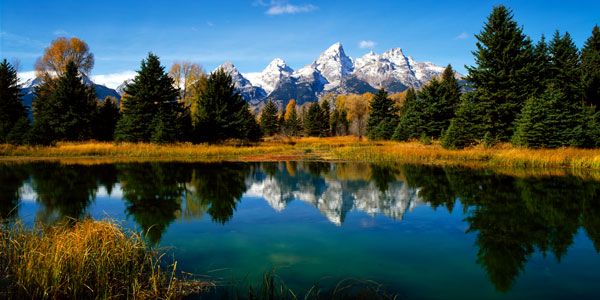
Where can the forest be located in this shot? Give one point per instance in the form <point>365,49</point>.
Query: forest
<point>534,95</point>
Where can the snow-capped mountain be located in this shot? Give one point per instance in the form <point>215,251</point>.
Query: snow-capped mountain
<point>271,75</point>
<point>334,71</point>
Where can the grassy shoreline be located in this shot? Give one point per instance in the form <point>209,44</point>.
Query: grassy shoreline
<point>85,260</point>
<point>326,149</point>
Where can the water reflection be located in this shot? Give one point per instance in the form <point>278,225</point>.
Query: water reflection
<point>512,217</point>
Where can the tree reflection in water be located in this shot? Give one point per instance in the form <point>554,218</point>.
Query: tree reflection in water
<point>512,216</point>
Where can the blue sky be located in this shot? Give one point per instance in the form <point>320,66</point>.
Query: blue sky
<point>251,33</point>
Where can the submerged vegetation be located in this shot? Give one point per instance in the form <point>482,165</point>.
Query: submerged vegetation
<point>85,260</point>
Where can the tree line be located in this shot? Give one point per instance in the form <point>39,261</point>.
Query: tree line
<point>533,95</point>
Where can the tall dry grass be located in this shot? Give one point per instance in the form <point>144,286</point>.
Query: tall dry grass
<point>347,148</point>
<point>84,260</point>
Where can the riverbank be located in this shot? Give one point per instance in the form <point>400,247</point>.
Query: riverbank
<point>348,148</point>
<point>85,260</point>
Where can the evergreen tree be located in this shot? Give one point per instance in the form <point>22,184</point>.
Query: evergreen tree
<point>13,114</point>
<point>465,128</point>
<point>547,121</point>
<point>339,122</point>
<point>502,78</point>
<point>269,121</point>
<point>106,120</point>
<point>312,121</point>
<point>67,113</point>
<point>411,120</point>
<point>325,110</point>
<point>292,121</point>
<point>151,97</point>
<point>542,58</point>
<point>383,118</point>
<point>222,113</point>
<point>590,66</point>
<point>564,67</point>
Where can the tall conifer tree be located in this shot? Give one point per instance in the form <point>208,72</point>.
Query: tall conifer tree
<point>222,113</point>
<point>503,73</point>
<point>383,117</point>
<point>12,109</point>
<point>269,121</point>
<point>590,65</point>
<point>150,105</point>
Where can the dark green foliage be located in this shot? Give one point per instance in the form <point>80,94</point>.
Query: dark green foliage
<point>325,118</point>
<point>383,118</point>
<point>339,122</point>
<point>503,72</point>
<point>437,102</point>
<point>549,121</point>
<point>312,121</point>
<point>564,67</point>
<point>411,121</point>
<point>292,124</point>
<point>542,60</point>
<point>223,113</point>
<point>65,110</point>
<point>465,128</point>
<point>590,67</point>
<point>106,120</point>
<point>269,120</point>
<point>150,99</point>
<point>13,114</point>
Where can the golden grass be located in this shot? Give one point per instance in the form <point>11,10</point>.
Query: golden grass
<point>85,260</point>
<point>347,148</point>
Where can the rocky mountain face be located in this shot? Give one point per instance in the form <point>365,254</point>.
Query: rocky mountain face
<point>333,71</point>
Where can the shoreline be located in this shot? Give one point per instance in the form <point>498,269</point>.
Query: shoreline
<point>334,149</point>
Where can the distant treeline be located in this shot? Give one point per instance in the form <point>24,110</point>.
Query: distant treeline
<point>533,95</point>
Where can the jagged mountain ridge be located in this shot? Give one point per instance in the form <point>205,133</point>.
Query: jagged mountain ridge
<point>333,71</point>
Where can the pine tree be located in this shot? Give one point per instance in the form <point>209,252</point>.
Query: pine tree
<point>222,113</point>
<point>564,66</point>
<point>106,120</point>
<point>150,98</point>
<point>12,110</point>
<point>339,122</point>
<point>502,78</point>
<point>590,67</point>
<point>292,121</point>
<point>542,58</point>
<point>269,121</point>
<point>383,118</point>
<point>312,121</point>
<point>411,121</point>
<point>466,126</point>
<point>325,119</point>
<point>66,112</point>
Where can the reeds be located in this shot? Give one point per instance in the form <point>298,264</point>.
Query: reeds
<point>84,260</point>
<point>348,148</point>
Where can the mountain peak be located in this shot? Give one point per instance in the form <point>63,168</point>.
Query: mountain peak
<point>334,64</point>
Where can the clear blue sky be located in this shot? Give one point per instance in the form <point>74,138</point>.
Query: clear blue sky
<point>251,33</point>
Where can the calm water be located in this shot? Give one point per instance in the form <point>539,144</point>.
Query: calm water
<point>424,232</point>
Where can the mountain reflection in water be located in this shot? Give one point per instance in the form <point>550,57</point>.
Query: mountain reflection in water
<point>512,217</point>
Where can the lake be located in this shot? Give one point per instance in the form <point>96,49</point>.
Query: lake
<point>423,232</point>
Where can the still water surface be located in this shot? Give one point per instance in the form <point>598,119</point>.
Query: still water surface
<point>424,232</point>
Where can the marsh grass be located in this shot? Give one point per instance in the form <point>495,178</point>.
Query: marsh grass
<point>347,148</point>
<point>272,287</point>
<point>85,260</point>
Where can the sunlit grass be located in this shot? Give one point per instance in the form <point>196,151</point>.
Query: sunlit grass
<point>346,148</point>
<point>85,260</point>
